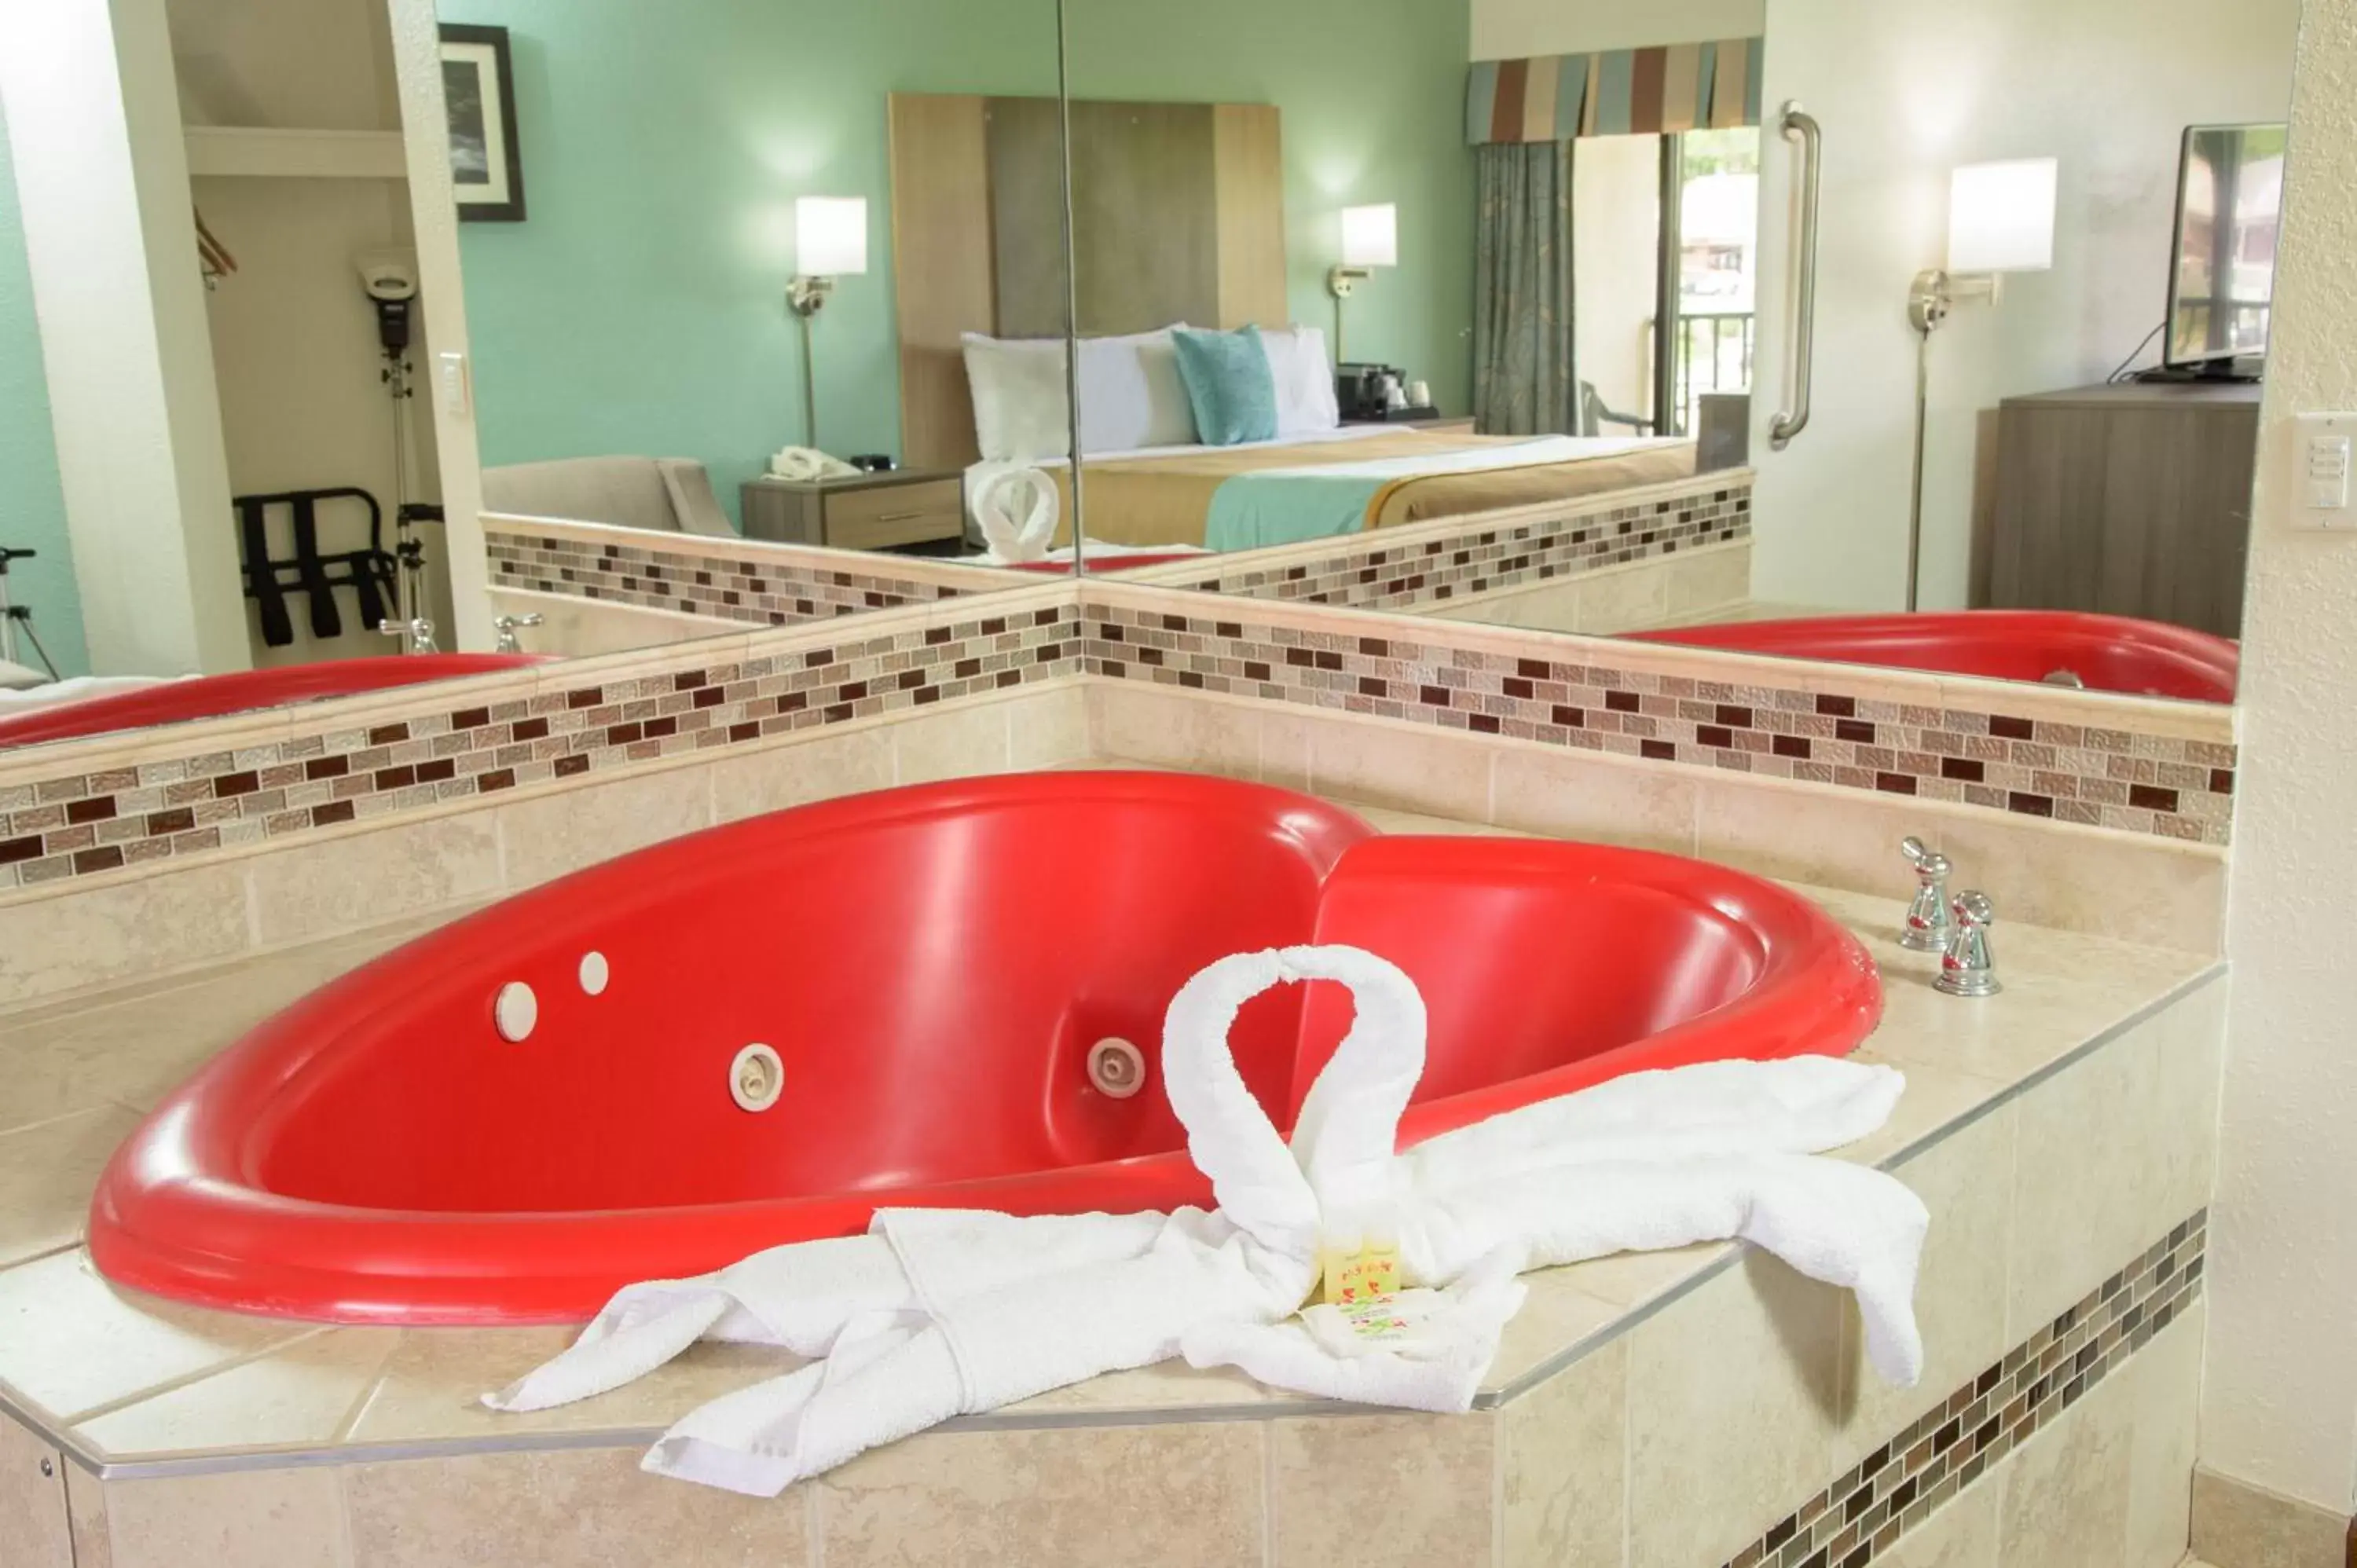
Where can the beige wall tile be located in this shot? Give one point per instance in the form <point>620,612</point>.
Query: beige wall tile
<point>1385,1491</point>
<point>142,927</point>
<point>2115,885</point>
<point>1833,838</point>
<point>94,1543</point>
<point>433,1384</point>
<point>1571,795</point>
<point>1285,750</point>
<point>2165,1396</point>
<point>2113,1151</point>
<point>1961,1535</point>
<point>1756,1351</point>
<point>1047,729</point>
<point>1395,765</point>
<point>1960,1294</point>
<point>1555,1316</point>
<point>253,1518</point>
<point>964,743</point>
<point>1145,724</point>
<point>45,1177</point>
<point>1633,600</point>
<point>583,1508</point>
<point>34,1527</point>
<point>1551,607</point>
<point>1711,578</point>
<point>817,769</point>
<point>302,1395</point>
<point>2237,1525</point>
<point>1103,1497</point>
<point>76,1342</point>
<point>583,629</point>
<point>545,837</point>
<point>1564,1462</point>
<point>2064,1501</point>
<point>321,889</point>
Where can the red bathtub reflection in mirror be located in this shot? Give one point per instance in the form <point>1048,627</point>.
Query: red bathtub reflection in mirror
<point>931,968</point>
<point>212,696</point>
<point>2102,653</point>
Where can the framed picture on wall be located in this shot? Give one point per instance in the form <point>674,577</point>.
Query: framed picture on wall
<point>478,89</point>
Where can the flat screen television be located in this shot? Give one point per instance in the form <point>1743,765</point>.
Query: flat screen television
<point>2223,276</point>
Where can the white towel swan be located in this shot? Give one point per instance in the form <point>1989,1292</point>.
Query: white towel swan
<point>940,1313</point>
<point>1018,508</point>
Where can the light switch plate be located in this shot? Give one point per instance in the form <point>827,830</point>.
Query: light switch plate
<point>2324,472</point>
<point>450,384</point>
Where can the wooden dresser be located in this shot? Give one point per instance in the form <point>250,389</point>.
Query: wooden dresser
<point>2131,499</point>
<point>866,512</point>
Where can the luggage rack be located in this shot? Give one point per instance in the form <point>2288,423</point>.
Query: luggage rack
<point>369,573</point>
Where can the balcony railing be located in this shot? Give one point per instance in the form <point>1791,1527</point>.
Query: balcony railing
<point>1714,355</point>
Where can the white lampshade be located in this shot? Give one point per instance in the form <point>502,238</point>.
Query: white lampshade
<point>831,236</point>
<point>2001,217</point>
<point>1371,236</point>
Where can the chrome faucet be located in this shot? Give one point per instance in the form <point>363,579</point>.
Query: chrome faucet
<point>417,634</point>
<point>1928,919</point>
<point>507,626</point>
<point>1969,968</point>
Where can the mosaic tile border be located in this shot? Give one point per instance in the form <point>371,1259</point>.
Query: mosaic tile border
<point>760,589</point>
<point>1434,565</point>
<point>2086,774</point>
<point>88,823</point>
<point>1902,1483</point>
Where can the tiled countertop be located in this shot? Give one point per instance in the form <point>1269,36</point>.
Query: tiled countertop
<point>134,1386</point>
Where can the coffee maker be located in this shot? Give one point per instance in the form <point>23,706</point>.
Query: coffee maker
<point>1370,393</point>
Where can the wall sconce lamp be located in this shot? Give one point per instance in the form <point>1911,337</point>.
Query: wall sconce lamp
<point>1369,239</point>
<point>2000,220</point>
<point>830,242</point>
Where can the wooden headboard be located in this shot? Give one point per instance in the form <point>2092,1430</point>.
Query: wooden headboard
<point>1179,216</point>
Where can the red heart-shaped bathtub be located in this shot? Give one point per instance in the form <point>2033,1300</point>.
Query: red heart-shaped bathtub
<point>931,968</point>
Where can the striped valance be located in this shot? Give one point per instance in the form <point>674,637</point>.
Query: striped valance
<point>1553,98</point>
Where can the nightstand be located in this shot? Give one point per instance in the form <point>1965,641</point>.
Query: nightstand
<point>862,511</point>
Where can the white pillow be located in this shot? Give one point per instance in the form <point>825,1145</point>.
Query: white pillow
<point>1020,410</point>
<point>1132,394</point>
<point>1305,379</point>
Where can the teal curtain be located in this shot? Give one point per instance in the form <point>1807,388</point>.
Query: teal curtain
<point>1523,380</point>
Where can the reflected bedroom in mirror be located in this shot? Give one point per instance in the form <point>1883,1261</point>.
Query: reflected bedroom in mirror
<point>1731,325</point>
<point>621,351</point>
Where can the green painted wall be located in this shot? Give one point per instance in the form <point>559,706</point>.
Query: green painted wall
<point>638,308</point>
<point>1373,95</point>
<point>641,306</point>
<point>32,506</point>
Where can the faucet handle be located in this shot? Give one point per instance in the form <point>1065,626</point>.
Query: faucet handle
<point>1969,968</point>
<point>1929,864</point>
<point>1929,920</point>
<point>507,626</point>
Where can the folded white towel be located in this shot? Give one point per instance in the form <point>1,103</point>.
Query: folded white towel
<point>935,1314</point>
<point>1017,507</point>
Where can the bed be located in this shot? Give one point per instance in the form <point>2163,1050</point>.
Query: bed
<point>1345,480</point>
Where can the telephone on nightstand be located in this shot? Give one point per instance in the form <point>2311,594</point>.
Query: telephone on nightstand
<point>803,465</point>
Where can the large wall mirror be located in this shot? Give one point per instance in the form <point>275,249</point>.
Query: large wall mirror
<point>1520,287</point>
<point>702,330</point>
<point>1732,323</point>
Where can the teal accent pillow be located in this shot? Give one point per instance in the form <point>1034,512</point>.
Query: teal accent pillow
<point>1230,383</point>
